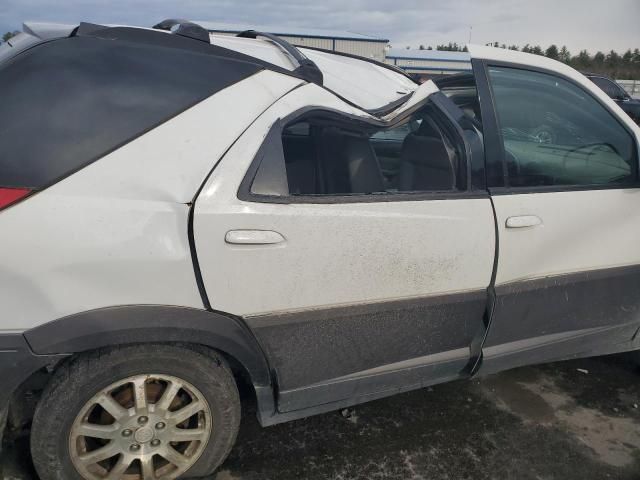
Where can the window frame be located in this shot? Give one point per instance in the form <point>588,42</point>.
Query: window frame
<point>496,165</point>
<point>274,133</point>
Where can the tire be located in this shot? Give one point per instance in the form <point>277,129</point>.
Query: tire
<point>69,403</point>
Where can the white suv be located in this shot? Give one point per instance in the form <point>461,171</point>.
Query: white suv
<point>181,211</point>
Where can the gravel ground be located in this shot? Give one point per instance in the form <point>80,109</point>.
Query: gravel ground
<point>570,420</point>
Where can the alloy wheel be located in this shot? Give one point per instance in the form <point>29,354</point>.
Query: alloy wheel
<point>140,428</point>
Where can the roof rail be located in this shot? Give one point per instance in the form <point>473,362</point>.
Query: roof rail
<point>306,68</point>
<point>184,28</point>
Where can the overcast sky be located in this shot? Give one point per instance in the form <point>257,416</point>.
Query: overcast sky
<point>591,24</point>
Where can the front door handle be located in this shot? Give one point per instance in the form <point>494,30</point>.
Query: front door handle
<point>253,237</point>
<point>523,221</point>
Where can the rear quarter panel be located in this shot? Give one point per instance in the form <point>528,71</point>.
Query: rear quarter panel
<point>115,233</point>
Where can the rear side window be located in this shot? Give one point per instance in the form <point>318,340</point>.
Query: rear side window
<point>328,156</point>
<point>555,134</point>
<point>462,90</point>
<point>69,102</point>
<point>334,159</point>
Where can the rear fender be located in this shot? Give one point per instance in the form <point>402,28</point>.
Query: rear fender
<point>155,324</point>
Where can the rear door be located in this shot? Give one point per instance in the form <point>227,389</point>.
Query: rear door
<point>562,163</point>
<point>351,294</point>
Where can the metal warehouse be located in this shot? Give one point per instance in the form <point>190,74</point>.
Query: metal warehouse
<point>347,42</point>
<point>429,63</point>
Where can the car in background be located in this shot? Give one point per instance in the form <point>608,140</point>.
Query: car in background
<point>630,105</point>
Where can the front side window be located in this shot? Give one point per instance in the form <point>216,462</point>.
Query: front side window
<point>335,156</point>
<point>556,134</point>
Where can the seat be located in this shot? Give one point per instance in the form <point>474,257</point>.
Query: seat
<point>301,167</point>
<point>350,164</point>
<point>426,161</point>
<point>365,174</point>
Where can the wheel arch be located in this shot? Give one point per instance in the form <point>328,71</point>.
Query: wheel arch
<point>131,324</point>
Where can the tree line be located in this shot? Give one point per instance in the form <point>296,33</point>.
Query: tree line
<point>612,64</point>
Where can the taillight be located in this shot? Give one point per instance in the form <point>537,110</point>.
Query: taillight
<point>12,195</point>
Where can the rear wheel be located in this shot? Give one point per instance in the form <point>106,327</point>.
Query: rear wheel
<point>136,413</point>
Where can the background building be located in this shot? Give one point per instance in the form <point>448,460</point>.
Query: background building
<point>347,42</point>
<point>429,63</point>
<point>423,63</point>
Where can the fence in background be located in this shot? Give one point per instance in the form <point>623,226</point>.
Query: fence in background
<point>631,86</point>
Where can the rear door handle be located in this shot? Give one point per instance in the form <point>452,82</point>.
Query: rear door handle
<point>253,237</point>
<point>523,221</point>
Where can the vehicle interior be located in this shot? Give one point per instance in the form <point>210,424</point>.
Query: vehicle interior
<point>326,155</point>
<point>461,89</point>
<point>548,138</point>
<point>557,134</point>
